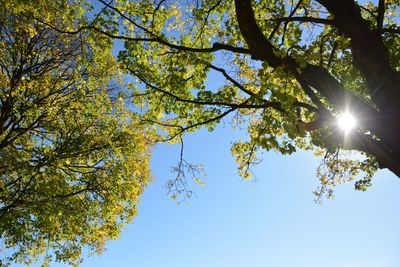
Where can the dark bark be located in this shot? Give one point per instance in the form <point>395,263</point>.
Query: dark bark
<point>370,56</point>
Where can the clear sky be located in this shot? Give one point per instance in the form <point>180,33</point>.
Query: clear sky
<point>271,222</point>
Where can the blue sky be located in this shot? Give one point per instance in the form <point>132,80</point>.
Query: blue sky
<point>270,222</point>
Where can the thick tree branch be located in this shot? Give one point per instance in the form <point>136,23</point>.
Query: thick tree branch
<point>319,79</point>
<point>381,15</point>
<point>370,55</point>
<point>315,76</point>
<point>375,148</point>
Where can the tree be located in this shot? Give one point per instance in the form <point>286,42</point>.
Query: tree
<point>73,159</point>
<point>289,70</point>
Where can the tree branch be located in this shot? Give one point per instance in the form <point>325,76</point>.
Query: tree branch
<point>370,55</point>
<point>315,76</point>
<point>381,15</point>
<point>215,47</point>
<point>266,104</point>
<point>304,19</point>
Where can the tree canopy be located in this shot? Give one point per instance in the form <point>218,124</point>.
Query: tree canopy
<point>73,158</point>
<point>288,69</point>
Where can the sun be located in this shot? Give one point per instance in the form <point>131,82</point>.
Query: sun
<point>346,121</point>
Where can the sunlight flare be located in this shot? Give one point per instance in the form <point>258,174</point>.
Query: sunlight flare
<point>346,121</point>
